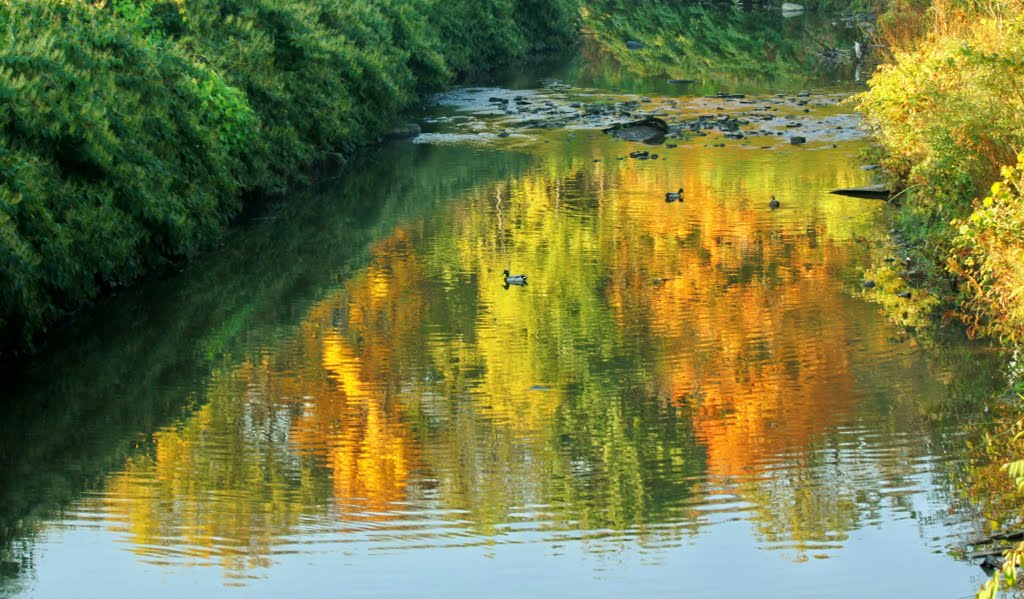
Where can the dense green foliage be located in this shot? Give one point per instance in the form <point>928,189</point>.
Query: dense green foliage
<point>119,152</point>
<point>949,113</point>
<point>129,129</point>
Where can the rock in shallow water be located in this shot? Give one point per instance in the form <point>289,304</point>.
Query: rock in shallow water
<point>407,131</point>
<point>649,129</point>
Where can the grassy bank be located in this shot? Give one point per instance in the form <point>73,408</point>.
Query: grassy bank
<point>948,112</point>
<point>130,129</point>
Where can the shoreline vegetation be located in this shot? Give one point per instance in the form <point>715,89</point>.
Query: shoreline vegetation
<point>131,130</point>
<point>947,110</point>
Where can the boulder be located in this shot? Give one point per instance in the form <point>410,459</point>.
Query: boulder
<point>649,130</point>
<point>406,131</point>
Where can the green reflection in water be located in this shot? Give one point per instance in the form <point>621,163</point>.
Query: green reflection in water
<point>665,362</point>
<point>720,48</point>
<point>95,400</point>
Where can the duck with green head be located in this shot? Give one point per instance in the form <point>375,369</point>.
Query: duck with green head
<point>510,279</point>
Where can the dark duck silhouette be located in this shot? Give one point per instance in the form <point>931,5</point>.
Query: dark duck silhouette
<point>671,196</point>
<point>511,279</point>
<point>774,204</point>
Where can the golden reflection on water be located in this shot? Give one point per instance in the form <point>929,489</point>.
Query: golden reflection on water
<point>666,361</point>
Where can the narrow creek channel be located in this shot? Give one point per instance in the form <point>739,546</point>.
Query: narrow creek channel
<point>687,398</point>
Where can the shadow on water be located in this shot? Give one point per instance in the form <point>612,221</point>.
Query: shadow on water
<point>74,413</point>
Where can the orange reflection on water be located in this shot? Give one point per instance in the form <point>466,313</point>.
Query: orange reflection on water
<point>422,371</point>
<point>744,306</point>
<point>370,450</point>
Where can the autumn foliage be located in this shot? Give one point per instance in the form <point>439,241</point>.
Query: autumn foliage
<point>949,114</point>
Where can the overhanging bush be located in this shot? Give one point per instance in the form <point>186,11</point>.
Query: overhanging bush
<point>129,128</point>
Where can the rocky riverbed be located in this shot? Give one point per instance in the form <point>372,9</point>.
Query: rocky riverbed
<point>491,115</point>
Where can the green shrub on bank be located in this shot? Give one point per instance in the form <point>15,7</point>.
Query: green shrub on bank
<point>118,153</point>
<point>321,74</point>
<point>948,114</point>
<point>325,75</point>
<point>988,253</point>
<point>130,128</point>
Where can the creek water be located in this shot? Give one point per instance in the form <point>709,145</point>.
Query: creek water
<point>686,398</point>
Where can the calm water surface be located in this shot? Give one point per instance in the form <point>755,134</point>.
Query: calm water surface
<point>687,398</point>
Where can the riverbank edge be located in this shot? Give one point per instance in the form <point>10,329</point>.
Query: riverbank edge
<point>948,128</point>
<point>257,98</point>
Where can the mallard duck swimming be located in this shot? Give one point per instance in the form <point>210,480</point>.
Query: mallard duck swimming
<point>514,279</point>
<point>774,204</point>
<point>671,196</point>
